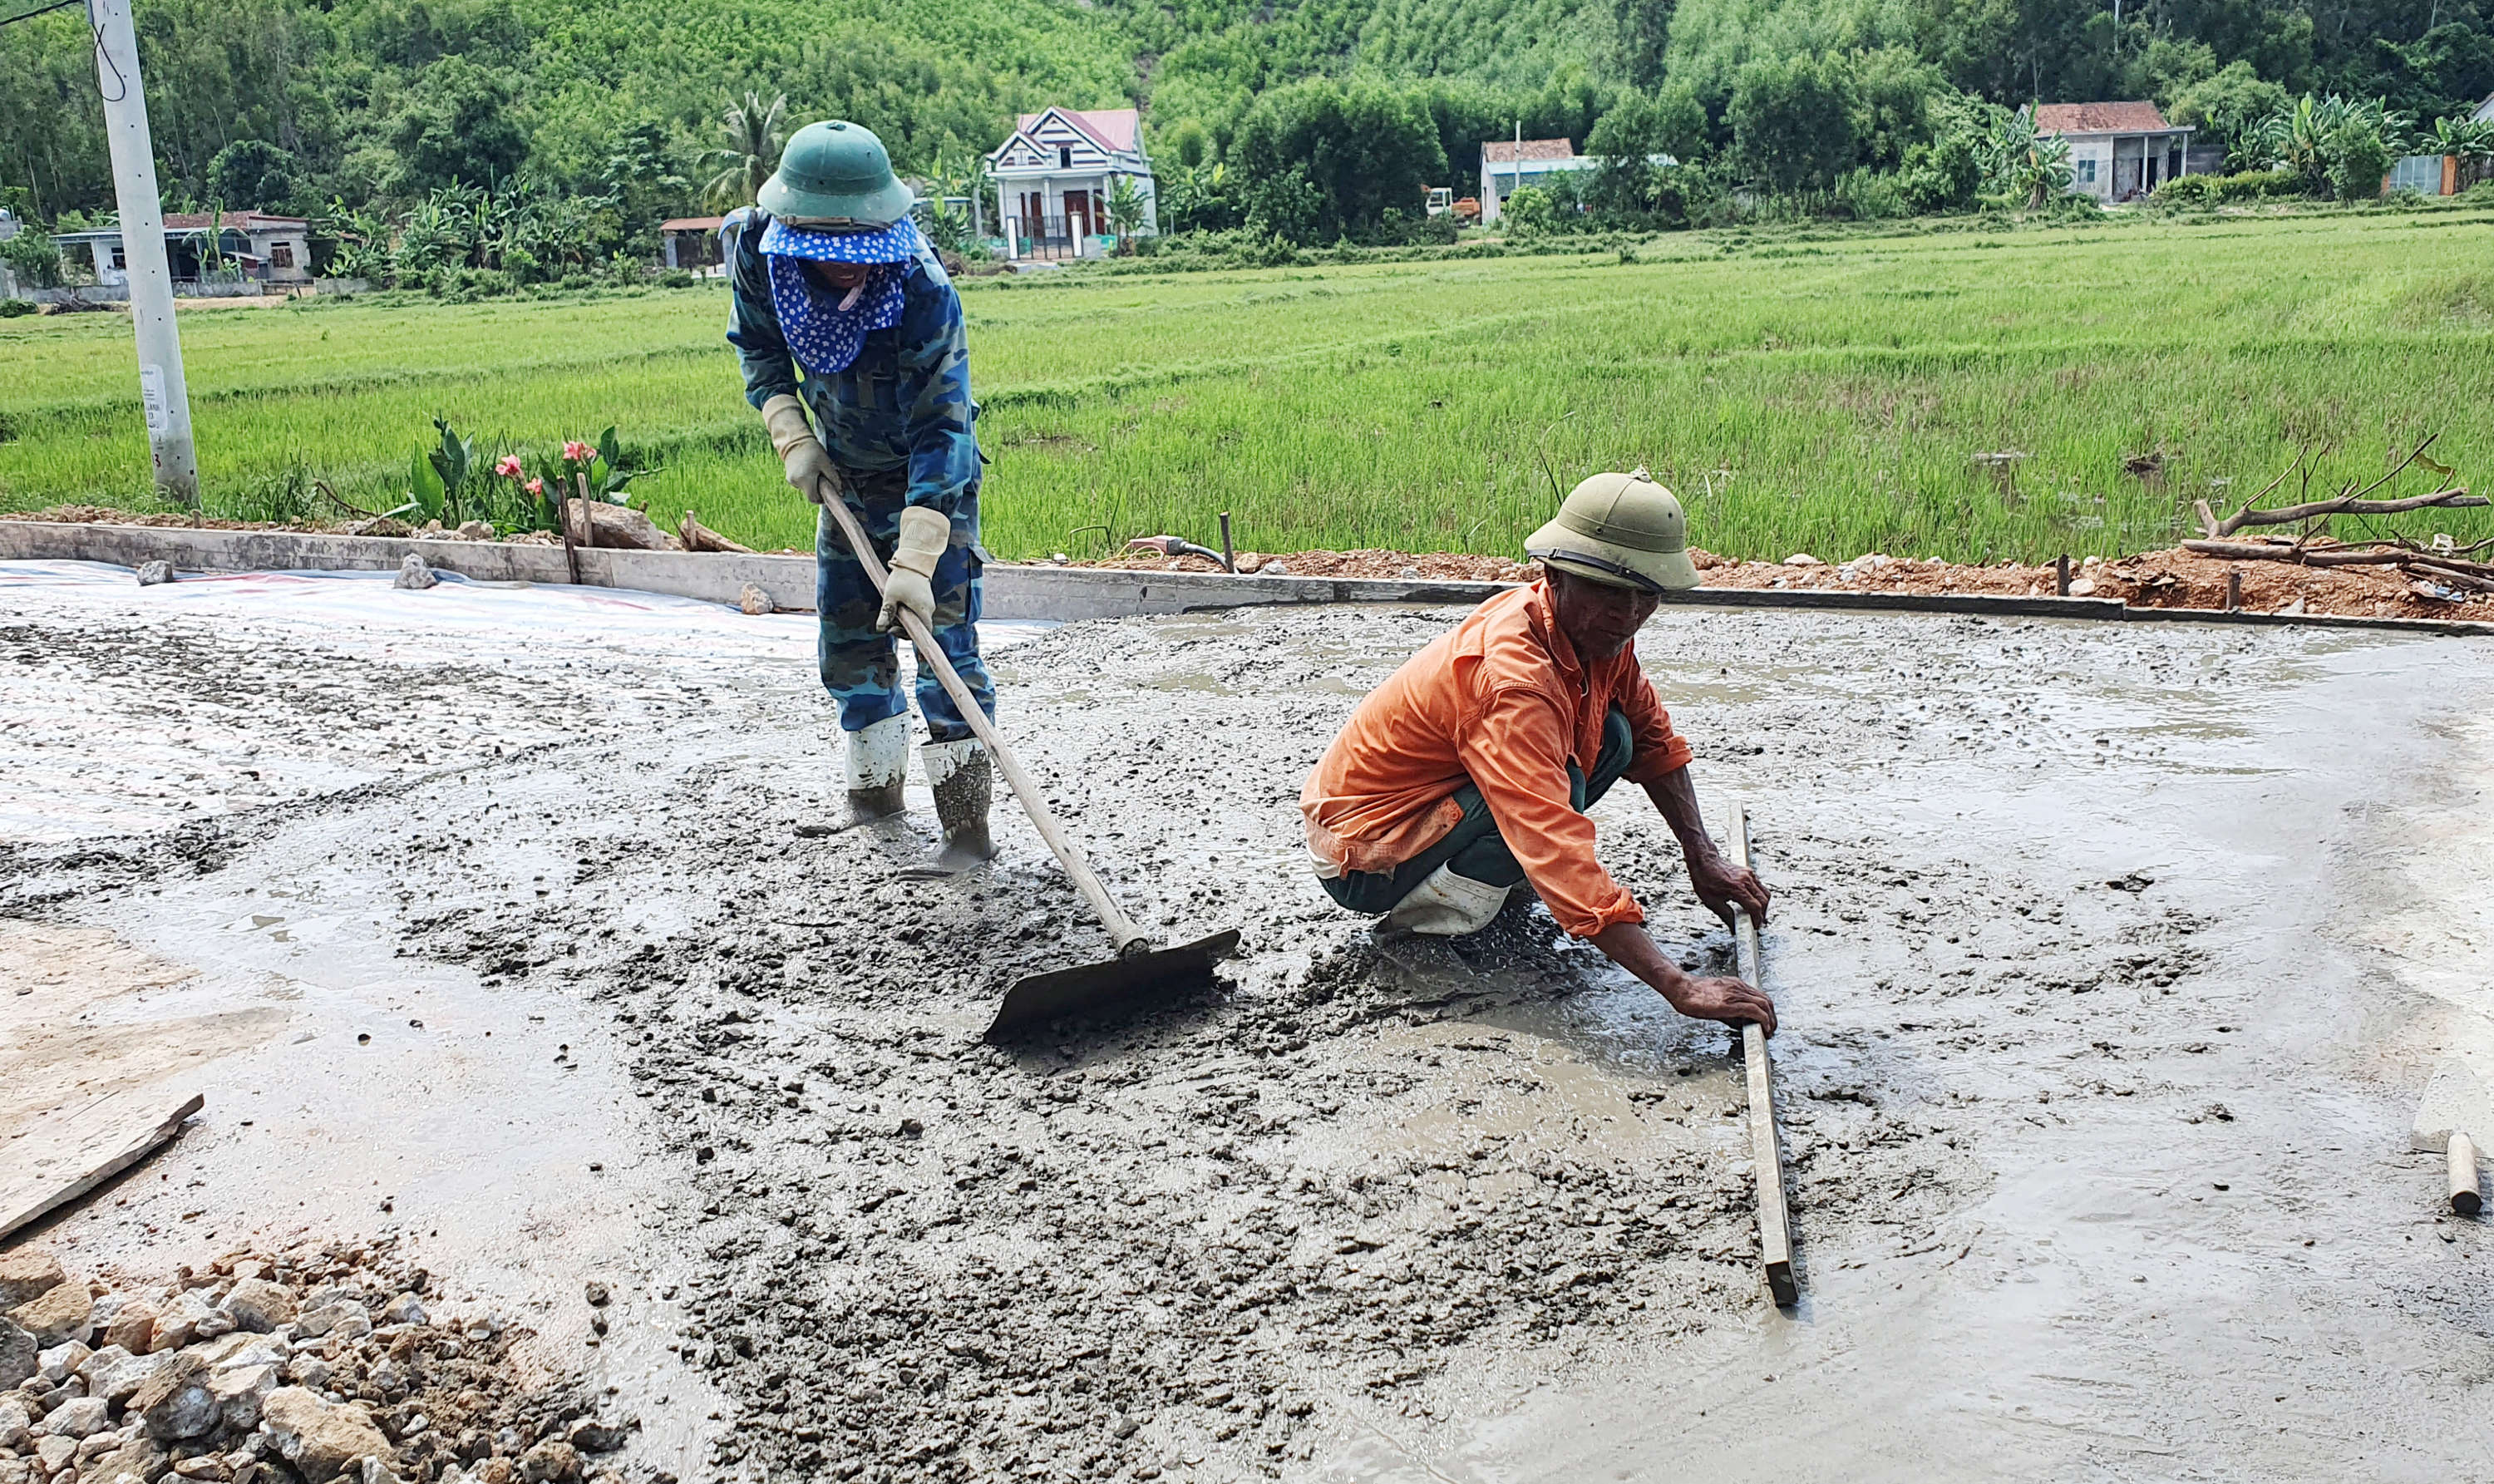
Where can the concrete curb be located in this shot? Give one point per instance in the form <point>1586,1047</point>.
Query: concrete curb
<point>1013,593</point>
<point>1065,594</point>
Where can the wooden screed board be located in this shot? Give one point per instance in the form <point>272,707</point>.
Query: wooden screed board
<point>1766,1146</point>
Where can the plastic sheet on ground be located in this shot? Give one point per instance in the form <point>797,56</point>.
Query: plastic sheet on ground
<point>430,679</point>
<point>491,616</point>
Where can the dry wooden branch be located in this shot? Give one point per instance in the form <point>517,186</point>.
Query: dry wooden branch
<point>698,537</point>
<point>2301,555</point>
<point>331,496</point>
<point>2350,504</point>
<point>2475,575</point>
<point>2465,574</point>
<point>2211,525</point>
<point>2401,467</point>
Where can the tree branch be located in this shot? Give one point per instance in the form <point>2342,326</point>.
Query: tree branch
<point>2350,504</point>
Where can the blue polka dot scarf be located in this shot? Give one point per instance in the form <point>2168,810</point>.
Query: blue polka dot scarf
<point>823,328</point>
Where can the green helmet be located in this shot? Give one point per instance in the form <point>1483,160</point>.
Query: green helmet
<point>836,174</point>
<point>1623,530</point>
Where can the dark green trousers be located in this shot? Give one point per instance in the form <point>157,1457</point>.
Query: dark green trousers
<point>1475,848</point>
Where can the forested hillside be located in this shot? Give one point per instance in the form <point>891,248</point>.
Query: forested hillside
<point>380,101</point>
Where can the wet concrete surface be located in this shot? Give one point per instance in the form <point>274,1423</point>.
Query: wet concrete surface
<point>2110,962</point>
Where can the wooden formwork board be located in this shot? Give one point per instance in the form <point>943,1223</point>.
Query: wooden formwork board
<point>1766,1144</point>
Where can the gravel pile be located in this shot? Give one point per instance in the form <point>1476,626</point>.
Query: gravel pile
<point>320,1364</point>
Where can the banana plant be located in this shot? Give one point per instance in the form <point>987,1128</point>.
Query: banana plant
<point>2471,139</point>
<point>2026,162</point>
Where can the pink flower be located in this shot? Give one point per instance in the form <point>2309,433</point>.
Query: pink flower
<point>536,486</point>
<point>508,467</point>
<point>577,452</point>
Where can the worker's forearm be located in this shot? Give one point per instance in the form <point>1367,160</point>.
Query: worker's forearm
<point>1675,795</point>
<point>1629,946</point>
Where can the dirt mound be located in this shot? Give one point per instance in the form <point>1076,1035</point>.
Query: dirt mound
<point>2161,579</point>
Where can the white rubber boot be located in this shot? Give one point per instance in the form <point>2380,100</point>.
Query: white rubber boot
<point>878,758</point>
<point>1445,905</point>
<point>963,782</point>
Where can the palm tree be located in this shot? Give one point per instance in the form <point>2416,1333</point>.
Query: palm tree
<point>753,150</point>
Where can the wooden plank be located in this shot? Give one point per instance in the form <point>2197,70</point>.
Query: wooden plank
<point>1766,1145</point>
<point>67,1155</point>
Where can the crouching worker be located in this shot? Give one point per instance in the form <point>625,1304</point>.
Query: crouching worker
<point>1470,771</point>
<point>843,312</point>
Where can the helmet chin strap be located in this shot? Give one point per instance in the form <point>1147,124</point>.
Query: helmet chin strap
<point>1564,560</point>
<point>850,302</point>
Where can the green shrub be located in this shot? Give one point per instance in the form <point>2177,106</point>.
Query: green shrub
<point>10,309</point>
<point>1871,196</point>
<point>2231,190</point>
<point>2185,191</point>
<point>1529,210</point>
<point>33,257</point>
<point>466,286</point>
<point>676,277</point>
<point>2359,159</point>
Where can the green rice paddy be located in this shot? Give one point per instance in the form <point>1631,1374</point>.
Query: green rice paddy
<point>1826,391</point>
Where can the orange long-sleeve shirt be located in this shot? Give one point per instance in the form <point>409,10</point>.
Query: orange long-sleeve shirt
<point>1503,702</point>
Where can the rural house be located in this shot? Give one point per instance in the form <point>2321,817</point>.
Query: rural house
<point>1507,165</point>
<point>259,247</point>
<point>1054,175</point>
<point>692,242</point>
<point>2118,151</point>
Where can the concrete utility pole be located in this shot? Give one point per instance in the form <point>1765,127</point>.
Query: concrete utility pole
<point>161,389</point>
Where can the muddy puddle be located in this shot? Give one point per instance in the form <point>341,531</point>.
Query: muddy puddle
<point>2097,1064</point>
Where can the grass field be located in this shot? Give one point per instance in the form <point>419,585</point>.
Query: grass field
<point>1822,391</point>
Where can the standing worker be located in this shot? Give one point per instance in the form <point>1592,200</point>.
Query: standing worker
<point>1469,772</point>
<point>844,311</point>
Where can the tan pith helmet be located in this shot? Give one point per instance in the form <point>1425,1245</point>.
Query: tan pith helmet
<point>1621,529</point>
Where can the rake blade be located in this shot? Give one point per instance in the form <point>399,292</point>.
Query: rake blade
<point>1118,984</point>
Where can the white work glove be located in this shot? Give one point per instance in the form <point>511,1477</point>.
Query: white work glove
<point>810,470</point>
<point>925,532</point>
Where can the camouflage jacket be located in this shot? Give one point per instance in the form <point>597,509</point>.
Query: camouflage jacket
<point>903,404</point>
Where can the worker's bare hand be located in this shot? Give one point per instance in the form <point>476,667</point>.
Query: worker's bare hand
<point>1730,1000</point>
<point>1723,886</point>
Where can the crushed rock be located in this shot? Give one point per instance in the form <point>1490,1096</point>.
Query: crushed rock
<point>320,1363</point>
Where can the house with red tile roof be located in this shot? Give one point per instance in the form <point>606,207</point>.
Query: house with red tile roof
<point>1509,166</point>
<point>2118,151</point>
<point>1054,176</point>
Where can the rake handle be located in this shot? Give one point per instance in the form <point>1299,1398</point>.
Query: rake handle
<point>932,654</point>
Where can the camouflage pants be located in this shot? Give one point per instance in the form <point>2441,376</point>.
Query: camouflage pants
<point>860,668</point>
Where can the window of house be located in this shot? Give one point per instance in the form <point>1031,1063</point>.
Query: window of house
<point>280,255</point>
<point>2082,171</point>
<point>1065,156</point>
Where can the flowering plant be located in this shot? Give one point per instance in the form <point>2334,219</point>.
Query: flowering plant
<point>603,464</point>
